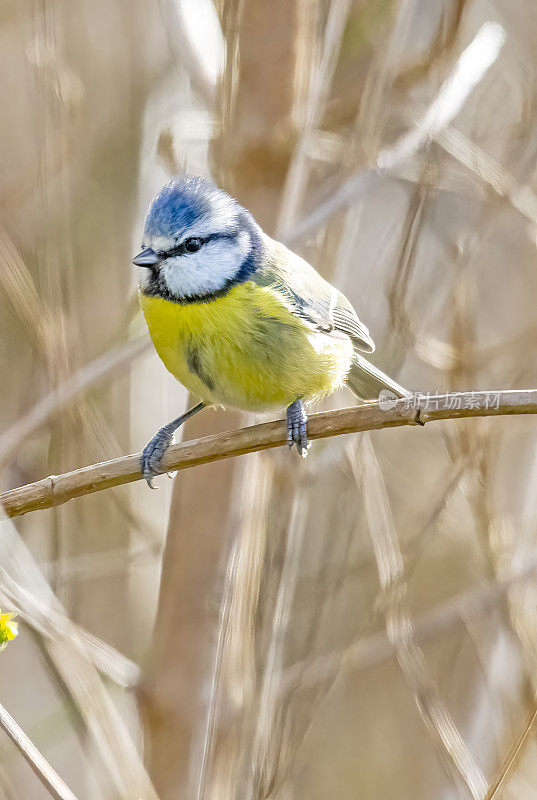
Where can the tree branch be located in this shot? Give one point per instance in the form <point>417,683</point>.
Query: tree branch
<point>418,409</point>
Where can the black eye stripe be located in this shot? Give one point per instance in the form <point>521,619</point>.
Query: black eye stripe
<point>181,249</point>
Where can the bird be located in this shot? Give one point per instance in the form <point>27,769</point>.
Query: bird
<point>239,319</point>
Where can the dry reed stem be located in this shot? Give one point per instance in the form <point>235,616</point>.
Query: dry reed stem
<point>111,362</point>
<point>457,759</point>
<point>233,674</point>
<point>268,747</point>
<point>469,70</point>
<point>40,766</point>
<point>188,49</point>
<point>23,587</point>
<point>318,90</point>
<point>58,489</point>
<point>50,622</point>
<point>369,651</point>
<point>42,611</point>
<point>522,198</point>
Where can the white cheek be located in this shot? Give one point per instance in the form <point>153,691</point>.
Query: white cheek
<point>208,270</point>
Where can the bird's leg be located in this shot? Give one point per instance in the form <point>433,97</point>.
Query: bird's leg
<point>297,427</point>
<point>150,462</point>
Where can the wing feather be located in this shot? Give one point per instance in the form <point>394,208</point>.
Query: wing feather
<point>310,296</point>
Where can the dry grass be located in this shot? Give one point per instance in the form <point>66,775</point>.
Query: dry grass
<point>363,625</point>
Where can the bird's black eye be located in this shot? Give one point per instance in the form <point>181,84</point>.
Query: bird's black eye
<point>192,245</point>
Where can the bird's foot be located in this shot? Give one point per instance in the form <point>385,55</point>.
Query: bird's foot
<point>150,462</point>
<point>297,427</point>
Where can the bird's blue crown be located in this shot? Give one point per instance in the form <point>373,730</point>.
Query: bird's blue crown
<point>180,203</point>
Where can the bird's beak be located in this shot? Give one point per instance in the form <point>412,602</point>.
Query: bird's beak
<point>147,258</point>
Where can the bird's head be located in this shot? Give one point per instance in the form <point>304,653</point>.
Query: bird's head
<point>198,242</point>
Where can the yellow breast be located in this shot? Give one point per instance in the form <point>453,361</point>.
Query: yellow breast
<point>245,349</point>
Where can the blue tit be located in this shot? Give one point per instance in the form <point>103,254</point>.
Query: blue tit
<point>240,320</point>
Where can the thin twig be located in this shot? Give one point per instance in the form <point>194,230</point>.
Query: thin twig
<point>74,667</point>
<point>457,759</point>
<point>48,776</point>
<point>370,651</point>
<point>25,591</point>
<point>513,757</point>
<point>419,409</point>
<point>320,80</point>
<point>111,362</point>
<point>523,198</point>
<point>470,68</point>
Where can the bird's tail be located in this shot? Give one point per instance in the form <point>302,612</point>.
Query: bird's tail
<point>367,381</point>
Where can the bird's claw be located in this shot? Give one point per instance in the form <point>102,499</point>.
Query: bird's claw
<point>297,432</point>
<point>153,452</point>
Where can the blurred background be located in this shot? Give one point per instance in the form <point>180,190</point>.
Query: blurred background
<point>360,625</point>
